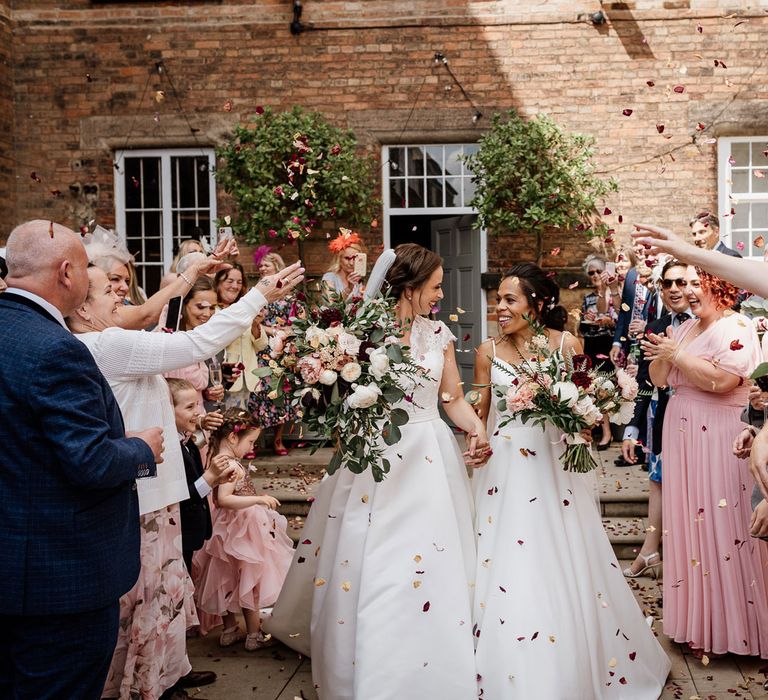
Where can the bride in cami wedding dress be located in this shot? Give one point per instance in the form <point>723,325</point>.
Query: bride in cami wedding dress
<point>554,617</point>
<point>386,569</point>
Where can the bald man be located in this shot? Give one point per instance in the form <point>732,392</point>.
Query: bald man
<point>69,539</point>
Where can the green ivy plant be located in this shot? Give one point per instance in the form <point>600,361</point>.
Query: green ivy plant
<point>289,172</point>
<point>531,175</point>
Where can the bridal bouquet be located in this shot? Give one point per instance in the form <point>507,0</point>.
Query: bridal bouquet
<point>568,393</point>
<point>342,367</point>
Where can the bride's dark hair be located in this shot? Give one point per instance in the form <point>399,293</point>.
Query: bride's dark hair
<point>412,267</point>
<point>541,293</point>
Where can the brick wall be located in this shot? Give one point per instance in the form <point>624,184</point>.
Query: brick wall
<point>81,70</point>
<point>7,167</point>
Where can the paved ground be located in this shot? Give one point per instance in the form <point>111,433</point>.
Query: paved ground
<point>280,674</point>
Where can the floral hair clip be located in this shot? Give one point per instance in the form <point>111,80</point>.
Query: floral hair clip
<point>238,428</point>
<point>345,239</point>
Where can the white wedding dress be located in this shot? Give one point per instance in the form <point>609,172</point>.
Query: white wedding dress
<point>554,618</point>
<point>389,566</point>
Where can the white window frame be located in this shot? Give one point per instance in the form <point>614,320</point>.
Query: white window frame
<point>724,196</point>
<point>431,211</point>
<point>165,155</point>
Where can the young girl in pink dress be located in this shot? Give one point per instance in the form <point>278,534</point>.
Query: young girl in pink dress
<point>243,565</point>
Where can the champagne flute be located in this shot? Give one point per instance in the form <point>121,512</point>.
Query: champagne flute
<point>216,376</point>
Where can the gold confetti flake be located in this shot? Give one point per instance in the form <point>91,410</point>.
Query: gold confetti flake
<point>625,307</point>
<point>364,498</point>
<point>694,563</point>
<point>417,558</point>
<point>346,586</point>
<point>453,317</point>
<point>293,636</point>
<point>650,528</point>
<point>722,503</point>
<point>416,583</point>
<point>459,310</point>
<point>552,638</point>
<point>319,582</point>
<point>490,519</point>
<point>705,660</point>
<point>612,663</point>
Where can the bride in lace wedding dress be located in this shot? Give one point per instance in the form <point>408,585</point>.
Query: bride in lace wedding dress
<point>389,566</point>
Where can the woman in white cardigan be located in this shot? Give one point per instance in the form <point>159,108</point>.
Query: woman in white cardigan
<point>150,656</point>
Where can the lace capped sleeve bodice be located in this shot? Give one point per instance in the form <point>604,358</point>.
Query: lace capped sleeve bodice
<point>428,342</point>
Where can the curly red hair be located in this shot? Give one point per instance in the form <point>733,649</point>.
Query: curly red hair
<point>724,294</point>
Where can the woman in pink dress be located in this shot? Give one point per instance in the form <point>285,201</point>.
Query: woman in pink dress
<point>715,595</point>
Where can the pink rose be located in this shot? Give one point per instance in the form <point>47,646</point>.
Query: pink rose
<point>277,344</point>
<point>520,399</point>
<point>310,368</point>
<point>627,384</point>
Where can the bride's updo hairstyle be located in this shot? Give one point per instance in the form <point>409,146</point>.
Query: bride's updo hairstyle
<point>541,293</point>
<point>412,268</point>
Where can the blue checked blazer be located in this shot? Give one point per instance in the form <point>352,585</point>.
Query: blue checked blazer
<point>69,515</point>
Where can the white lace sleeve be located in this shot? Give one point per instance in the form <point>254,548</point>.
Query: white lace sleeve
<point>121,353</point>
<point>431,335</point>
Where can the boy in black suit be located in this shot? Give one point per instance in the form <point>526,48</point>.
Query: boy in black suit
<point>195,512</point>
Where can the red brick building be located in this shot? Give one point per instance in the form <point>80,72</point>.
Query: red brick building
<point>85,112</point>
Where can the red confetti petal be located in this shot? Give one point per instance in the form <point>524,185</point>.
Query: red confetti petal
<point>679,89</point>
<point>623,680</point>
<point>627,112</point>
<point>660,128</point>
<point>259,110</point>
<point>307,542</point>
<point>621,219</point>
<point>566,502</point>
<point>426,607</point>
<point>736,345</point>
<point>466,337</point>
<point>650,83</point>
<point>632,655</point>
<point>606,211</point>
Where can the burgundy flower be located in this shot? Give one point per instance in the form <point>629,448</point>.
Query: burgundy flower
<point>365,346</point>
<point>330,316</point>
<point>581,379</point>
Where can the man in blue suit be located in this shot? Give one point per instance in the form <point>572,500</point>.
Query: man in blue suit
<point>69,539</point>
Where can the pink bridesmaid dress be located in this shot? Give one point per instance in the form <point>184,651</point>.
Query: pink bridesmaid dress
<point>715,594</point>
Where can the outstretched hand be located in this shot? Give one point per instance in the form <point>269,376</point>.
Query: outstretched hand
<point>661,240</point>
<point>279,285</point>
<point>226,248</point>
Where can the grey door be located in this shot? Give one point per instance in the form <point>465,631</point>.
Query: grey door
<point>457,240</point>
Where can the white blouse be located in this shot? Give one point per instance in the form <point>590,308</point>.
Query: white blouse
<point>132,362</point>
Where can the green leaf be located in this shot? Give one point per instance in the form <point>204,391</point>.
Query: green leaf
<point>263,371</point>
<point>391,434</point>
<point>398,416</point>
<point>395,352</point>
<point>335,463</point>
<point>760,371</point>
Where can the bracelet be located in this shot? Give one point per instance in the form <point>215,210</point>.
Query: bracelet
<point>181,274</point>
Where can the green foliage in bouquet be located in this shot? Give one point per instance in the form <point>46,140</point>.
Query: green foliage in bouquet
<point>533,176</point>
<point>291,171</point>
<point>343,368</point>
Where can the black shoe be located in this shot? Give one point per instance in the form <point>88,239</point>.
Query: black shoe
<point>602,446</point>
<point>621,462</point>
<point>195,679</point>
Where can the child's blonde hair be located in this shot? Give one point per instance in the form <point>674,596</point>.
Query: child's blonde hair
<point>176,386</point>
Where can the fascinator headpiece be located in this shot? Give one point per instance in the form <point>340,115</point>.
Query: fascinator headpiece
<point>103,243</point>
<point>345,239</point>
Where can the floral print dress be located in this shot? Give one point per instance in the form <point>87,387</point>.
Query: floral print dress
<point>265,411</point>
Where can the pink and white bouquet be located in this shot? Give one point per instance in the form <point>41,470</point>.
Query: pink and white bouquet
<point>568,393</point>
<point>342,366</point>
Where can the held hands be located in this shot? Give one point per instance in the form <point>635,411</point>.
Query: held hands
<point>154,439</point>
<point>220,471</point>
<point>479,451</point>
<point>660,347</point>
<point>279,285</point>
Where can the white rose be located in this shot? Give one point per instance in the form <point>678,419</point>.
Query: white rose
<point>566,391</point>
<point>379,363</point>
<point>584,406</point>
<point>328,377</point>
<point>351,371</point>
<point>364,396</point>
<point>348,343</point>
<point>334,331</point>
<point>316,336</point>
<point>624,414</point>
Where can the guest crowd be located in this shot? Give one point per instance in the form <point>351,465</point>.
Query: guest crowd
<point>130,518</point>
